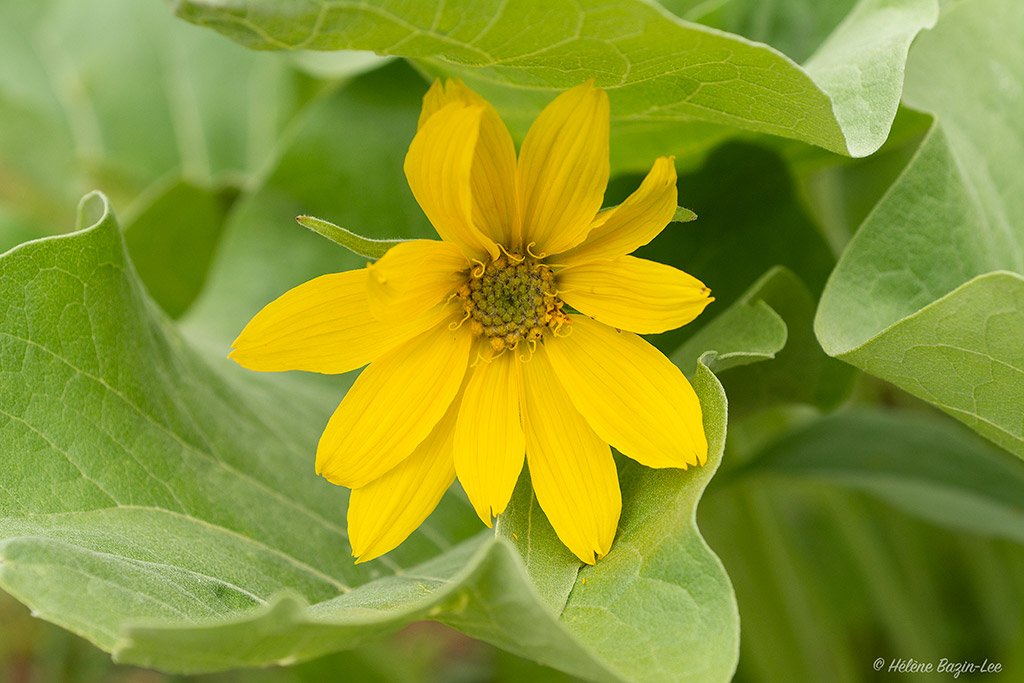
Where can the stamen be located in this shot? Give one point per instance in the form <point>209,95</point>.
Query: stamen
<point>456,325</point>
<point>480,357</point>
<point>531,348</point>
<point>511,255</point>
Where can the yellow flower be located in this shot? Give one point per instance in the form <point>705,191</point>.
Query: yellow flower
<point>477,354</point>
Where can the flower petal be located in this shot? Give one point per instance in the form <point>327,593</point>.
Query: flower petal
<point>634,294</point>
<point>631,394</point>
<point>563,169</point>
<point>324,325</point>
<point>382,514</point>
<point>634,222</point>
<point>495,194</point>
<point>572,469</point>
<point>392,406</point>
<point>437,97</point>
<point>438,167</point>
<point>489,442</point>
<point>413,276</point>
<point>495,199</point>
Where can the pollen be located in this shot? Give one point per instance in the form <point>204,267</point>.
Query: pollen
<point>510,300</point>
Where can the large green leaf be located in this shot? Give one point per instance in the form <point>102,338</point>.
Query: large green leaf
<point>929,294</point>
<point>667,77</point>
<point>166,508</point>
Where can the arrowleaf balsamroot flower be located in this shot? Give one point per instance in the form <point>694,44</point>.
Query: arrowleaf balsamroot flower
<point>513,337</point>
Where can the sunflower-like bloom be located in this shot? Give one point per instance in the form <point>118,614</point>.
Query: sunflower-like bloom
<point>515,336</point>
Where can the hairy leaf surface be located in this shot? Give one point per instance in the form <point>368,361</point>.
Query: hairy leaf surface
<point>929,295</point>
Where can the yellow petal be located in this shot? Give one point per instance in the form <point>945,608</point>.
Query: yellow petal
<point>489,442</point>
<point>436,98</point>
<point>631,394</point>
<point>563,169</point>
<point>495,197</point>
<point>415,276</point>
<point>634,222</point>
<point>392,406</point>
<point>495,200</point>
<point>634,294</point>
<point>572,469</point>
<point>382,514</point>
<point>602,216</point>
<point>438,167</point>
<point>324,325</point>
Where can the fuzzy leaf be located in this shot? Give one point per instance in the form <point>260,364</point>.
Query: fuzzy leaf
<point>660,71</point>
<point>929,294</point>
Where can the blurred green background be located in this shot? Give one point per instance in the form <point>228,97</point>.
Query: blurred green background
<point>833,566</point>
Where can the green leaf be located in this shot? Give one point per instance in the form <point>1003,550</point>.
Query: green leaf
<point>128,452</point>
<point>518,55</point>
<point>683,215</point>
<point>929,295</point>
<point>357,244</point>
<point>53,654</point>
<point>929,467</point>
<point>168,512</point>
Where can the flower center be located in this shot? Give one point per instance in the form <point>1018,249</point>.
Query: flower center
<point>510,300</point>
